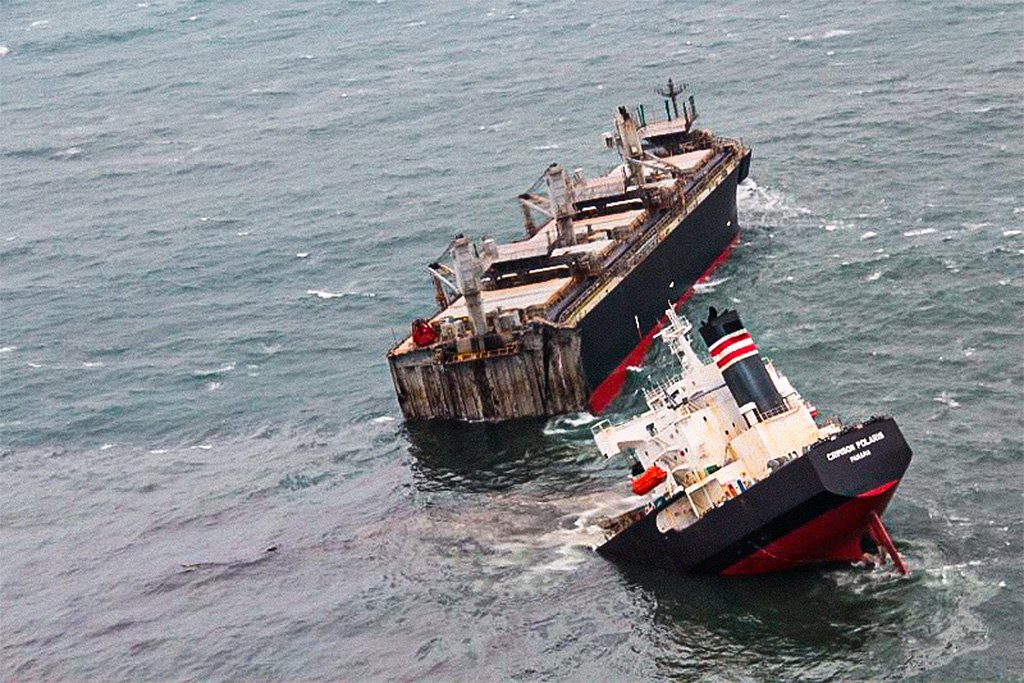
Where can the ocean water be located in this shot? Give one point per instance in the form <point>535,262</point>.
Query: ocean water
<point>214,218</point>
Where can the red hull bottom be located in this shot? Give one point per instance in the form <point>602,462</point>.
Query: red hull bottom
<point>610,387</point>
<point>833,537</point>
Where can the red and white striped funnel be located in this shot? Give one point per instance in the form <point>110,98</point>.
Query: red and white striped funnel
<point>736,355</point>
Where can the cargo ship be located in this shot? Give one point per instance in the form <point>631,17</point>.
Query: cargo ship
<point>734,473</point>
<point>550,323</point>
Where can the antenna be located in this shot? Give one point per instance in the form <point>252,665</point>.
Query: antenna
<point>672,92</point>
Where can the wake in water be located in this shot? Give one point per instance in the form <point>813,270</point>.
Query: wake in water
<point>936,607</point>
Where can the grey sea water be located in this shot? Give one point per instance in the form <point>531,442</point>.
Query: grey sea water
<point>213,222</point>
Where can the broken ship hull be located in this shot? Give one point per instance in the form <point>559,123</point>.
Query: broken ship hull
<point>581,363</point>
<point>816,509</point>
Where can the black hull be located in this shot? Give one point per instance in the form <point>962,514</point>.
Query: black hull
<point>814,509</point>
<point>610,336</point>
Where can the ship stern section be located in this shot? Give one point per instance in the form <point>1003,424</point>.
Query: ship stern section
<point>817,508</point>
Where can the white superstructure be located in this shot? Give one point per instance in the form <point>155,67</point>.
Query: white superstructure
<point>695,439</point>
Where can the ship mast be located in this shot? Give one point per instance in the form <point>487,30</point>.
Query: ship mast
<point>672,93</point>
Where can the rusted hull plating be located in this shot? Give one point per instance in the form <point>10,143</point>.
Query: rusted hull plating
<point>542,377</point>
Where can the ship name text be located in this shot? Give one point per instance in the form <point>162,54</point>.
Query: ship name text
<point>857,445</point>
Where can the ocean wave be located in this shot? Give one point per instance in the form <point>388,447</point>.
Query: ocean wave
<point>227,367</point>
<point>68,153</point>
<point>325,294</point>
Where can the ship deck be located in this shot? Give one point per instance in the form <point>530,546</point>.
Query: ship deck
<point>523,297</point>
<point>542,280</point>
<point>586,230</point>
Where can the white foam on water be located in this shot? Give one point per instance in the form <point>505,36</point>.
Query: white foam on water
<point>836,33</point>
<point>760,202</point>
<point>869,235</point>
<point>874,276</point>
<point>709,286</point>
<point>1011,233</point>
<point>568,424</point>
<point>578,419</point>
<point>92,364</point>
<point>213,386</point>
<point>302,254</point>
<point>573,545</point>
<point>4,50</point>
<point>382,419</point>
<point>325,294</point>
<point>40,22</point>
<point>243,233</point>
<point>68,153</point>
<point>545,148</point>
<point>106,446</point>
<point>158,451</point>
<point>918,233</point>
<point>947,399</point>
<point>8,349</point>
<point>33,365</point>
<point>227,367</point>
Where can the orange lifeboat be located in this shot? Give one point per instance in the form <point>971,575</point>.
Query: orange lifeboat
<point>648,480</point>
